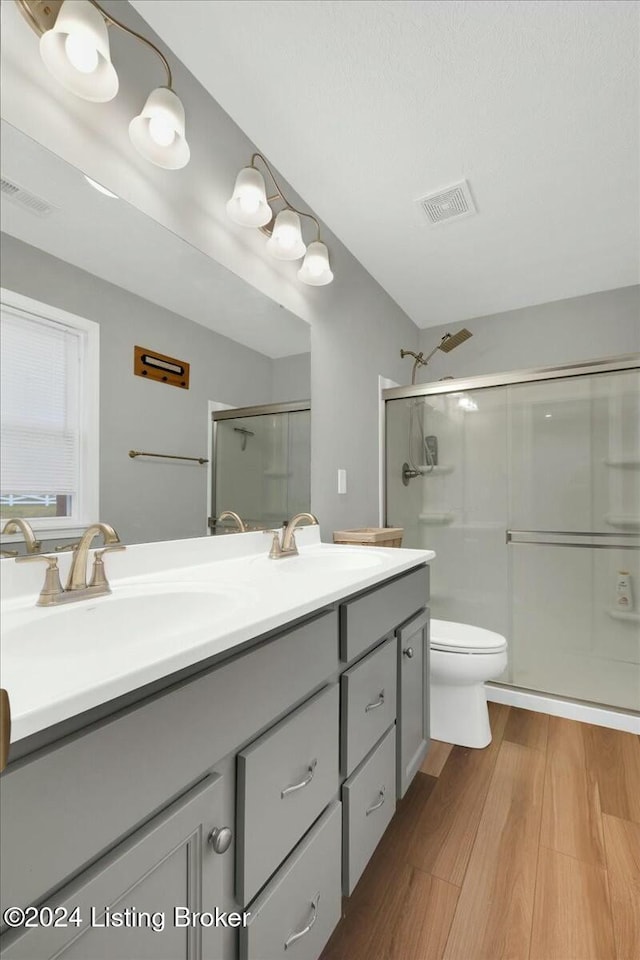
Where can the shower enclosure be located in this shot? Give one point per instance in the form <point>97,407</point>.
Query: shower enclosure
<point>261,463</point>
<point>527,486</point>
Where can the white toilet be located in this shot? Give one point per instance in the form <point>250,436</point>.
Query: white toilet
<point>462,659</point>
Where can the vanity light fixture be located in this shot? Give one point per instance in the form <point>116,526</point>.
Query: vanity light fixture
<point>249,206</point>
<point>76,52</point>
<point>74,45</point>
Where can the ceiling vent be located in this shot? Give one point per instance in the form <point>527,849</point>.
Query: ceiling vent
<point>452,203</point>
<point>29,201</point>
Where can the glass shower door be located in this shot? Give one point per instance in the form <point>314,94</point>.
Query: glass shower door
<point>574,518</point>
<point>529,493</point>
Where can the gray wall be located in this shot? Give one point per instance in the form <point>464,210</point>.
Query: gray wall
<point>153,499</point>
<point>357,329</point>
<point>563,331</point>
<point>291,378</point>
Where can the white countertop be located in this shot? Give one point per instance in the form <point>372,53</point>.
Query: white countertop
<point>202,598</point>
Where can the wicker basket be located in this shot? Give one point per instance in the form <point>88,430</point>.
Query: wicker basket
<point>371,536</point>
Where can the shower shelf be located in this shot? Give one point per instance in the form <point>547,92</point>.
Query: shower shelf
<point>436,519</point>
<point>621,520</point>
<point>629,462</point>
<point>624,615</point>
<point>427,471</point>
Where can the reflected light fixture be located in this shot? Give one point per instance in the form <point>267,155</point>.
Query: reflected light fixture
<point>250,206</point>
<point>74,45</point>
<point>98,186</point>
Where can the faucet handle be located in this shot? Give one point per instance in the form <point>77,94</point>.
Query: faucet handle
<point>32,557</point>
<point>99,554</point>
<point>98,576</point>
<point>52,588</point>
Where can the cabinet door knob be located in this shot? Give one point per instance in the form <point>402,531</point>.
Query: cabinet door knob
<point>220,839</point>
<point>408,652</point>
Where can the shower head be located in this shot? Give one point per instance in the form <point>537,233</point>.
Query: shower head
<point>449,342</point>
<point>452,340</point>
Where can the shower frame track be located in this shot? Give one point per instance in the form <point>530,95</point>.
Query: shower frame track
<point>628,361</point>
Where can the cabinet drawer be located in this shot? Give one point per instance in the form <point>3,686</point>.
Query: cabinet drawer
<point>369,802</point>
<point>168,864</point>
<point>371,617</point>
<point>368,704</point>
<point>285,780</point>
<point>296,914</point>
<point>131,765</point>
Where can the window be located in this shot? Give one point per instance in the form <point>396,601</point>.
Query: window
<point>49,416</point>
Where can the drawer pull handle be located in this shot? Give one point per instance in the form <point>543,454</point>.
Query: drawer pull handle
<point>302,933</point>
<point>408,653</point>
<point>376,703</point>
<point>378,803</point>
<point>303,783</point>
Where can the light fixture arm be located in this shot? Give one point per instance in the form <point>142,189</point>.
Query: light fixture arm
<point>138,36</point>
<point>280,194</point>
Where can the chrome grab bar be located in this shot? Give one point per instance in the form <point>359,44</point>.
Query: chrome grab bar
<point>303,783</point>
<point>302,933</point>
<point>376,703</point>
<point>378,804</point>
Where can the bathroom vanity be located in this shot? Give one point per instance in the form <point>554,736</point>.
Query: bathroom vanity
<point>242,773</point>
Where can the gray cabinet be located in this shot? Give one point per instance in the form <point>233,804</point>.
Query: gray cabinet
<point>413,698</point>
<point>368,703</point>
<point>285,780</point>
<point>98,786</point>
<point>371,616</point>
<point>296,913</point>
<point>114,818</point>
<point>369,802</point>
<point>167,864</point>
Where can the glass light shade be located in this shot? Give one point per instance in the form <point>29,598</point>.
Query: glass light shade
<point>315,269</point>
<point>286,241</point>
<point>248,206</point>
<point>158,133</point>
<point>76,52</point>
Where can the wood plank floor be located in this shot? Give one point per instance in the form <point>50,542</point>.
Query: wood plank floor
<point>527,850</point>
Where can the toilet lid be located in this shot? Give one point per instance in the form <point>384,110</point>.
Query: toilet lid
<point>463,638</point>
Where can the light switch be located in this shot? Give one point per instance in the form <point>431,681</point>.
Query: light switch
<point>342,481</point>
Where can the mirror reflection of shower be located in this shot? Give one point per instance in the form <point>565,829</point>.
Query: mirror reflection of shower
<point>427,446</point>
<point>245,434</point>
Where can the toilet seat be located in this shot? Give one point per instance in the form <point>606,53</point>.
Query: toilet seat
<point>453,637</point>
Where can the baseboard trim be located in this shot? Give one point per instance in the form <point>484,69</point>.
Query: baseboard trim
<point>570,709</point>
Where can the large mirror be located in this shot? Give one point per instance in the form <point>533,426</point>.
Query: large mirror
<point>87,278</point>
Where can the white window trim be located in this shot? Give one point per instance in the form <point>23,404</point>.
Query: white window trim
<point>87,507</point>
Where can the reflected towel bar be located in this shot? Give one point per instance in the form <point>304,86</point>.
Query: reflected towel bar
<point>165,456</point>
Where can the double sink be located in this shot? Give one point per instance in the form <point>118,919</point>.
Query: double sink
<point>156,622</point>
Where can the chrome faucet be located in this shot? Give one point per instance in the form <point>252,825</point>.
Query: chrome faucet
<point>237,519</point>
<point>18,525</point>
<point>287,547</point>
<point>77,587</point>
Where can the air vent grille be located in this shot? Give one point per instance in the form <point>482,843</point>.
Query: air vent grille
<point>24,198</point>
<point>451,203</point>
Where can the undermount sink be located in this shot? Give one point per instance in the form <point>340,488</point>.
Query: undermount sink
<point>131,618</point>
<point>326,559</point>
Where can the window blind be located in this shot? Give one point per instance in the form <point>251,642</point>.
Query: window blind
<point>39,405</point>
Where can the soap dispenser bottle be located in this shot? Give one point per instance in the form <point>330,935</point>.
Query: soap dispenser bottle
<point>624,595</point>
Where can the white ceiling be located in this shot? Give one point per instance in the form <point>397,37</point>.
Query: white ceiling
<point>114,241</point>
<point>366,106</point>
